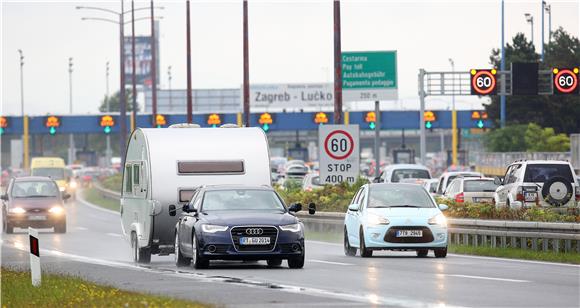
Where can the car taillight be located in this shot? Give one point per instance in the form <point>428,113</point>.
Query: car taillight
<point>459,198</point>
<point>578,193</point>
<point>520,194</point>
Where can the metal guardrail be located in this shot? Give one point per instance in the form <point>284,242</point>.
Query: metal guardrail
<point>558,237</point>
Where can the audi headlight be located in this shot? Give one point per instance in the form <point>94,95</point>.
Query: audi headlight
<point>17,210</point>
<point>56,210</point>
<point>61,188</point>
<point>73,184</point>
<point>213,228</point>
<point>374,219</point>
<point>438,220</point>
<point>291,228</point>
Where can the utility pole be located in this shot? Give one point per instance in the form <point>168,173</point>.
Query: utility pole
<point>169,84</point>
<point>188,40</point>
<point>133,70</point>
<point>108,153</point>
<point>246,68</point>
<point>71,140</point>
<point>337,66</point>
<point>153,66</point>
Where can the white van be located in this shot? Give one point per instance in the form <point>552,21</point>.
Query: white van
<point>164,166</point>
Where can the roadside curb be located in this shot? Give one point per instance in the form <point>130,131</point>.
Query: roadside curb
<point>94,206</point>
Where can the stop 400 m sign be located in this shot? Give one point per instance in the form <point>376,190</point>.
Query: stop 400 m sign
<point>339,153</point>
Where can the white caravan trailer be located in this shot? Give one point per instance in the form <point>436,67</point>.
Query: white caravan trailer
<point>163,167</point>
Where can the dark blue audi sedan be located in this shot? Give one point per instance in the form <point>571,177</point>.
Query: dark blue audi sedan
<point>239,223</point>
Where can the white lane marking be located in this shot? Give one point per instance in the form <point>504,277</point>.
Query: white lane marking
<point>487,278</point>
<point>369,298</point>
<point>324,243</point>
<point>81,228</point>
<point>514,260</point>
<point>96,207</point>
<point>329,262</point>
<point>115,234</point>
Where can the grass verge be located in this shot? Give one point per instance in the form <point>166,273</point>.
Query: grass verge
<point>93,196</point>
<point>66,291</point>
<point>516,253</point>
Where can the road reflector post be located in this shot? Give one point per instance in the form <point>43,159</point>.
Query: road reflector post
<point>34,257</point>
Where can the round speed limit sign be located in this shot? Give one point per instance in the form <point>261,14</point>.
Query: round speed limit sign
<point>339,144</point>
<point>483,82</point>
<point>565,81</point>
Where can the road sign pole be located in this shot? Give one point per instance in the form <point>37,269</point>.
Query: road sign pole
<point>34,257</point>
<point>422,142</point>
<point>25,137</point>
<point>122,97</point>
<point>377,139</point>
<point>337,66</point>
<point>246,68</point>
<point>188,41</point>
<point>502,67</point>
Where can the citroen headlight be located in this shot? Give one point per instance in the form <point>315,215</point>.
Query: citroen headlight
<point>374,219</point>
<point>61,188</point>
<point>17,210</point>
<point>291,228</point>
<point>73,184</point>
<point>438,220</point>
<point>213,228</point>
<point>56,210</point>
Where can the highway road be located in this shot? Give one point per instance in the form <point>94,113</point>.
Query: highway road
<point>95,249</point>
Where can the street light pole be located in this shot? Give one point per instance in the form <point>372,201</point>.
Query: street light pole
<point>153,66</point>
<point>71,141</point>
<point>25,153</point>
<point>530,19</point>
<point>542,49</point>
<point>169,85</point>
<point>246,67</point>
<point>108,153</point>
<point>502,98</point>
<point>549,11</point>
<point>188,53</point>
<point>337,65</point>
<point>122,98</point>
<point>454,142</point>
<point>133,70</point>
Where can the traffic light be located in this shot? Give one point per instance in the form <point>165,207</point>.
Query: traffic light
<point>479,117</point>
<point>214,120</point>
<point>3,125</point>
<point>107,123</point>
<point>52,123</point>
<point>320,118</point>
<point>565,80</point>
<point>160,121</point>
<point>265,120</point>
<point>371,118</point>
<point>483,82</point>
<point>428,118</point>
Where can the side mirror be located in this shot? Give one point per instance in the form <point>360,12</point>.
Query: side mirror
<point>497,181</point>
<point>172,210</point>
<point>377,179</point>
<point>443,207</point>
<point>353,207</point>
<point>295,207</point>
<point>311,208</point>
<point>187,209</point>
<point>4,197</point>
<point>66,196</point>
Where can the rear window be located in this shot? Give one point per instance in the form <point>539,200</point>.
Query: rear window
<point>433,187</point>
<point>210,167</point>
<point>540,173</point>
<point>479,186</point>
<point>453,177</point>
<point>400,174</point>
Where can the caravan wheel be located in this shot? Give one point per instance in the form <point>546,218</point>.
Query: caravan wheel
<point>140,255</point>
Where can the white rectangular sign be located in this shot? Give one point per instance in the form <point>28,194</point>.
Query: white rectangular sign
<point>291,95</point>
<point>339,150</point>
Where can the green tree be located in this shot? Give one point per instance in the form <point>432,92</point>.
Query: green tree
<point>521,138</point>
<point>507,139</point>
<point>114,105</point>
<point>540,139</point>
<point>558,111</point>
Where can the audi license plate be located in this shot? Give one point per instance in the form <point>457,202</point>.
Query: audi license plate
<point>254,241</point>
<point>409,233</point>
<point>530,196</point>
<point>37,217</point>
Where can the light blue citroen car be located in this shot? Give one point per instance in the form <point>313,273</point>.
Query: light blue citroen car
<point>392,216</point>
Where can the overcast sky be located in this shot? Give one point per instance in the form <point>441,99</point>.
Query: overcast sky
<point>290,42</point>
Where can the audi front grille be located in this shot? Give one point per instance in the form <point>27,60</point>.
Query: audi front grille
<point>254,231</point>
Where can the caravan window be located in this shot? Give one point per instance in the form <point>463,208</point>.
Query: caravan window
<point>185,195</point>
<point>128,178</point>
<point>210,167</point>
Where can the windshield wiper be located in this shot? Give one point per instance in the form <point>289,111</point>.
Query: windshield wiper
<point>403,205</point>
<point>39,196</point>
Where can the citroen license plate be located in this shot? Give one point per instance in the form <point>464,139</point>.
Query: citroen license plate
<point>409,233</point>
<point>254,241</point>
<point>36,217</point>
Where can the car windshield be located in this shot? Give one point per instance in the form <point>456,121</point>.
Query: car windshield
<point>479,186</point>
<point>316,181</point>
<point>540,173</point>
<point>433,187</point>
<point>399,196</point>
<point>400,174</point>
<point>53,173</point>
<point>34,189</point>
<point>241,200</point>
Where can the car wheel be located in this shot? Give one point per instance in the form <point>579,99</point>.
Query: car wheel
<point>364,251</point>
<point>140,255</point>
<point>60,227</point>
<point>348,250</point>
<point>297,262</point>
<point>441,252</point>
<point>180,260</point>
<point>274,262</point>
<point>422,253</point>
<point>197,260</point>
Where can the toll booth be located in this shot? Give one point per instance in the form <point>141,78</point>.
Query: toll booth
<point>404,156</point>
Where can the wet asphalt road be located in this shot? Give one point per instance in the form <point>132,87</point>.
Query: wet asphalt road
<point>95,249</point>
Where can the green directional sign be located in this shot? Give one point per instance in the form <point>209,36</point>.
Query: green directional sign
<point>369,75</point>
